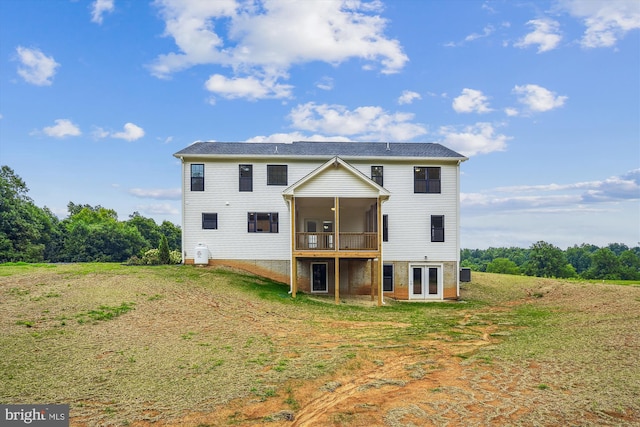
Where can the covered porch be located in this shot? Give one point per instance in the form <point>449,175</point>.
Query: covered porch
<point>332,237</point>
<point>336,218</point>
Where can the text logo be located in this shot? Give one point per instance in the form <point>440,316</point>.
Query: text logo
<point>34,415</point>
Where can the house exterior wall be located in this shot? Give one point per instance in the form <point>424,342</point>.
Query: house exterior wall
<point>269,254</point>
<point>231,240</point>
<point>410,215</point>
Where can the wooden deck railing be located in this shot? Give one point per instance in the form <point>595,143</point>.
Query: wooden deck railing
<point>326,241</point>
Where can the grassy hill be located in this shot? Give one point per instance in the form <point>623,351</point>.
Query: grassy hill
<point>179,345</point>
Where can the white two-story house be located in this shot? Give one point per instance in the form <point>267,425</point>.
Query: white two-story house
<point>337,218</point>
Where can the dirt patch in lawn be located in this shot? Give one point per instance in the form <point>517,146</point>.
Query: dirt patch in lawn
<point>200,347</point>
<point>446,380</point>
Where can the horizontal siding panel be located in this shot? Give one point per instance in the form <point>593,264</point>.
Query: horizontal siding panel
<point>336,183</point>
<point>222,196</point>
<point>409,213</point>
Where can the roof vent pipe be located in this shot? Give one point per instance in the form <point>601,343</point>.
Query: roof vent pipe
<point>388,148</point>
<point>276,150</point>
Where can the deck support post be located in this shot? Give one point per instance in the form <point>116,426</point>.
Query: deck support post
<point>294,260</point>
<point>373,278</point>
<point>380,265</point>
<point>337,279</point>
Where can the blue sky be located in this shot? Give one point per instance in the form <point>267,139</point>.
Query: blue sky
<point>543,96</point>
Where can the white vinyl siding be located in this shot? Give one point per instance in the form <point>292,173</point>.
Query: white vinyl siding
<point>409,213</point>
<point>336,182</point>
<point>232,240</point>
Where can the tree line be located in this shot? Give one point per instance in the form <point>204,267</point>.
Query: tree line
<point>94,233</point>
<point>29,233</point>
<point>615,261</point>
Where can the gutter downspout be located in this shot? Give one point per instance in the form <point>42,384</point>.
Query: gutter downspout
<point>182,209</point>
<point>382,253</point>
<point>458,232</point>
<point>290,251</point>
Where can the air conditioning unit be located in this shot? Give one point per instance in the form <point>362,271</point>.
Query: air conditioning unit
<point>201,254</point>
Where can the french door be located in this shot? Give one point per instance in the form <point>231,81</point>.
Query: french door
<point>425,282</point>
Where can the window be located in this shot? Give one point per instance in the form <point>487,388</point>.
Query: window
<point>210,221</point>
<point>387,278</point>
<point>426,179</point>
<point>437,228</point>
<point>276,174</point>
<point>246,178</point>
<point>197,177</point>
<point>260,222</point>
<point>376,175</point>
<point>385,228</point>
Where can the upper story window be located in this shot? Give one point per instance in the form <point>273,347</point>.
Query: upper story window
<point>377,175</point>
<point>426,179</point>
<point>437,228</point>
<point>246,178</point>
<point>210,221</point>
<point>276,174</point>
<point>262,222</point>
<point>197,177</point>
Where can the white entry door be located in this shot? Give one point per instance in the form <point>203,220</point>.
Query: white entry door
<point>425,282</point>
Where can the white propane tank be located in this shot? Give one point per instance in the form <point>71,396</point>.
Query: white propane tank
<point>202,254</point>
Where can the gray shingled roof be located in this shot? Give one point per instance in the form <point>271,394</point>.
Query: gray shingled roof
<point>320,149</point>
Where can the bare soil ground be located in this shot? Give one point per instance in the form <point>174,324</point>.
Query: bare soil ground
<point>199,350</point>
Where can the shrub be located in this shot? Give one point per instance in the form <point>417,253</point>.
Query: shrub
<point>152,257</point>
<point>175,257</point>
<point>163,251</point>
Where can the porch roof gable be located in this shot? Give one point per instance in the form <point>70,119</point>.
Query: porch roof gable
<point>335,162</point>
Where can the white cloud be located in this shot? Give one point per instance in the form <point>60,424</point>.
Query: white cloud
<point>606,21</point>
<point>62,128</point>
<point>408,97</point>
<point>471,101</point>
<point>510,111</point>
<point>261,40</point>
<point>623,187</point>
<point>545,34</point>
<point>286,138</point>
<point>36,67</point>
<point>99,133</point>
<point>538,99</point>
<point>157,193</point>
<point>480,138</point>
<point>362,123</point>
<point>247,87</point>
<point>131,132</point>
<point>555,197</point>
<point>486,32</point>
<point>325,83</point>
<point>159,209</point>
<point>99,8</point>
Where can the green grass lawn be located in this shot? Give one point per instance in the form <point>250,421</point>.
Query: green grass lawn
<point>121,343</point>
